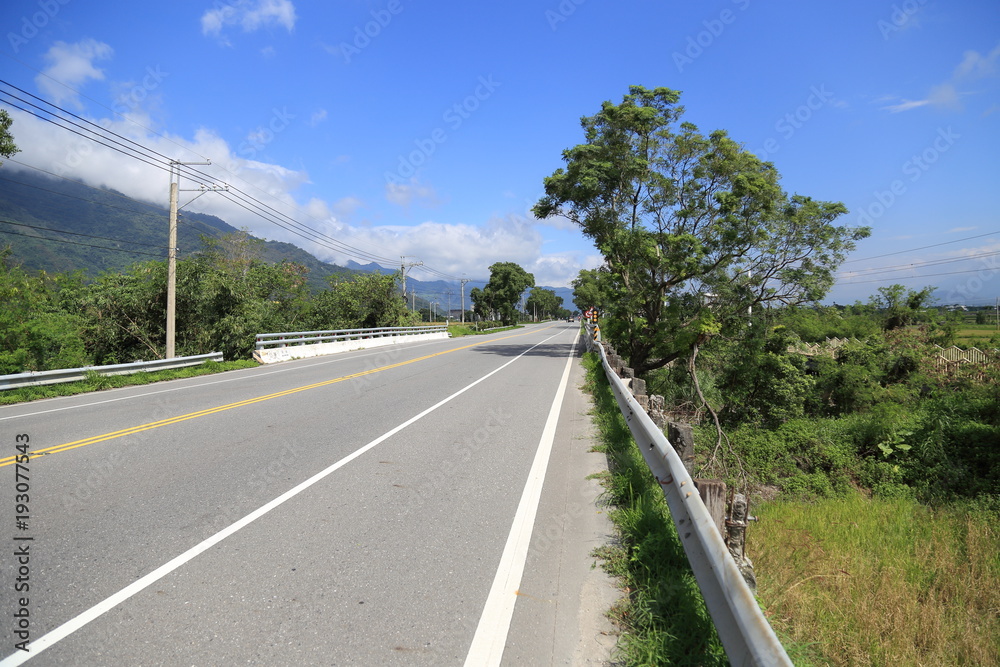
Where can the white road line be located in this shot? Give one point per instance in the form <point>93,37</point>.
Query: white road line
<point>491,634</point>
<point>101,608</point>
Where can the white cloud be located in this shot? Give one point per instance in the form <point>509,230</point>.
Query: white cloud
<point>947,96</point>
<point>251,15</point>
<point>69,67</point>
<point>317,117</point>
<point>906,105</point>
<point>456,249</point>
<point>405,194</point>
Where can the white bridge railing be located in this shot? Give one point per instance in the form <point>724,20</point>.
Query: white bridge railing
<point>744,631</point>
<point>271,347</point>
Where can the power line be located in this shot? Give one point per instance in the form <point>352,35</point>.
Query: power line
<point>933,245</point>
<point>89,236</point>
<point>926,275</point>
<point>130,148</point>
<point>919,265</point>
<point>258,207</point>
<point>100,104</point>
<point>86,245</point>
<point>69,196</point>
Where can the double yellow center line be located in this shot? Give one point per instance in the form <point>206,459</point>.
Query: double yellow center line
<point>9,460</point>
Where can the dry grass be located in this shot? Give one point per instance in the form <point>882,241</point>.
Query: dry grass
<point>881,582</point>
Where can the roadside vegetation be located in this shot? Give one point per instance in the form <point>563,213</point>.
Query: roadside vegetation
<point>874,470</point>
<point>872,459</point>
<point>226,295</point>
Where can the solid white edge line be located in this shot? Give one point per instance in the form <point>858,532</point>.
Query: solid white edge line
<point>106,605</point>
<point>494,624</point>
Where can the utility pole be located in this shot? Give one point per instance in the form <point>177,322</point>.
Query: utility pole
<point>403,267</point>
<point>464,280</point>
<point>175,179</point>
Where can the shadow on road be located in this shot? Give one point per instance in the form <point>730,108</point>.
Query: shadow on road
<point>547,350</point>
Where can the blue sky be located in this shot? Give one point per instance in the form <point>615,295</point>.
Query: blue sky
<point>425,129</point>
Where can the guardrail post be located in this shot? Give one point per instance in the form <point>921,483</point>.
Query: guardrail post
<point>681,437</point>
<point>639,392</point>
<point>736,528</point>
<point>713,494</point>
<point>656,411</point>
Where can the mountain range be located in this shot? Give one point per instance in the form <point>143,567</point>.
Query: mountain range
<point>59,225</point>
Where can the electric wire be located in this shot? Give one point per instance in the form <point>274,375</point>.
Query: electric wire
<point>926,275</point>
<point>89,236</point>
<point>156,156</point>
<point>192,174</point>
<point>153,158</point>
<point>916,265</point>
<point>86,245</point>
<point>933,245</point>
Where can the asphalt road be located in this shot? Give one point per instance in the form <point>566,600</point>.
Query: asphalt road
<point>367,508</point>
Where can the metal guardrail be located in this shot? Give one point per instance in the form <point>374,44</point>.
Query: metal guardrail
<point>269,340</point>
<point>744,631</point>
<point>38,378</point>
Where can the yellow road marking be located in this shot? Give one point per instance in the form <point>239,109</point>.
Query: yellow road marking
<point>9,460</point>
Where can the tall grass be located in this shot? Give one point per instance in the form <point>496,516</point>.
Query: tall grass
<point>881,581</point>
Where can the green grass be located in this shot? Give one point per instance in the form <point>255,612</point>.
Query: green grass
<point>662,617</point>
<point>458,330</point>
<point>95,382</point>
<point>881,581</point>
<point>975,334</point>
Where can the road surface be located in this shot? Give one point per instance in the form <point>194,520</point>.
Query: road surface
<point>426,504</point>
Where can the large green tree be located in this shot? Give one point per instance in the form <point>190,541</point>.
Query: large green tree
<point>695,231</point>
<point>543,303</point>
<point>900,306</point>
<point>589,289</point>
<point>362,301</point>
<point>507,283</point>
<point>482,302</point>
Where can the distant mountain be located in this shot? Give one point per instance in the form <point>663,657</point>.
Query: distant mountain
<point>371,267</point>
<point>105,231</point>
<point>32,203</point>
